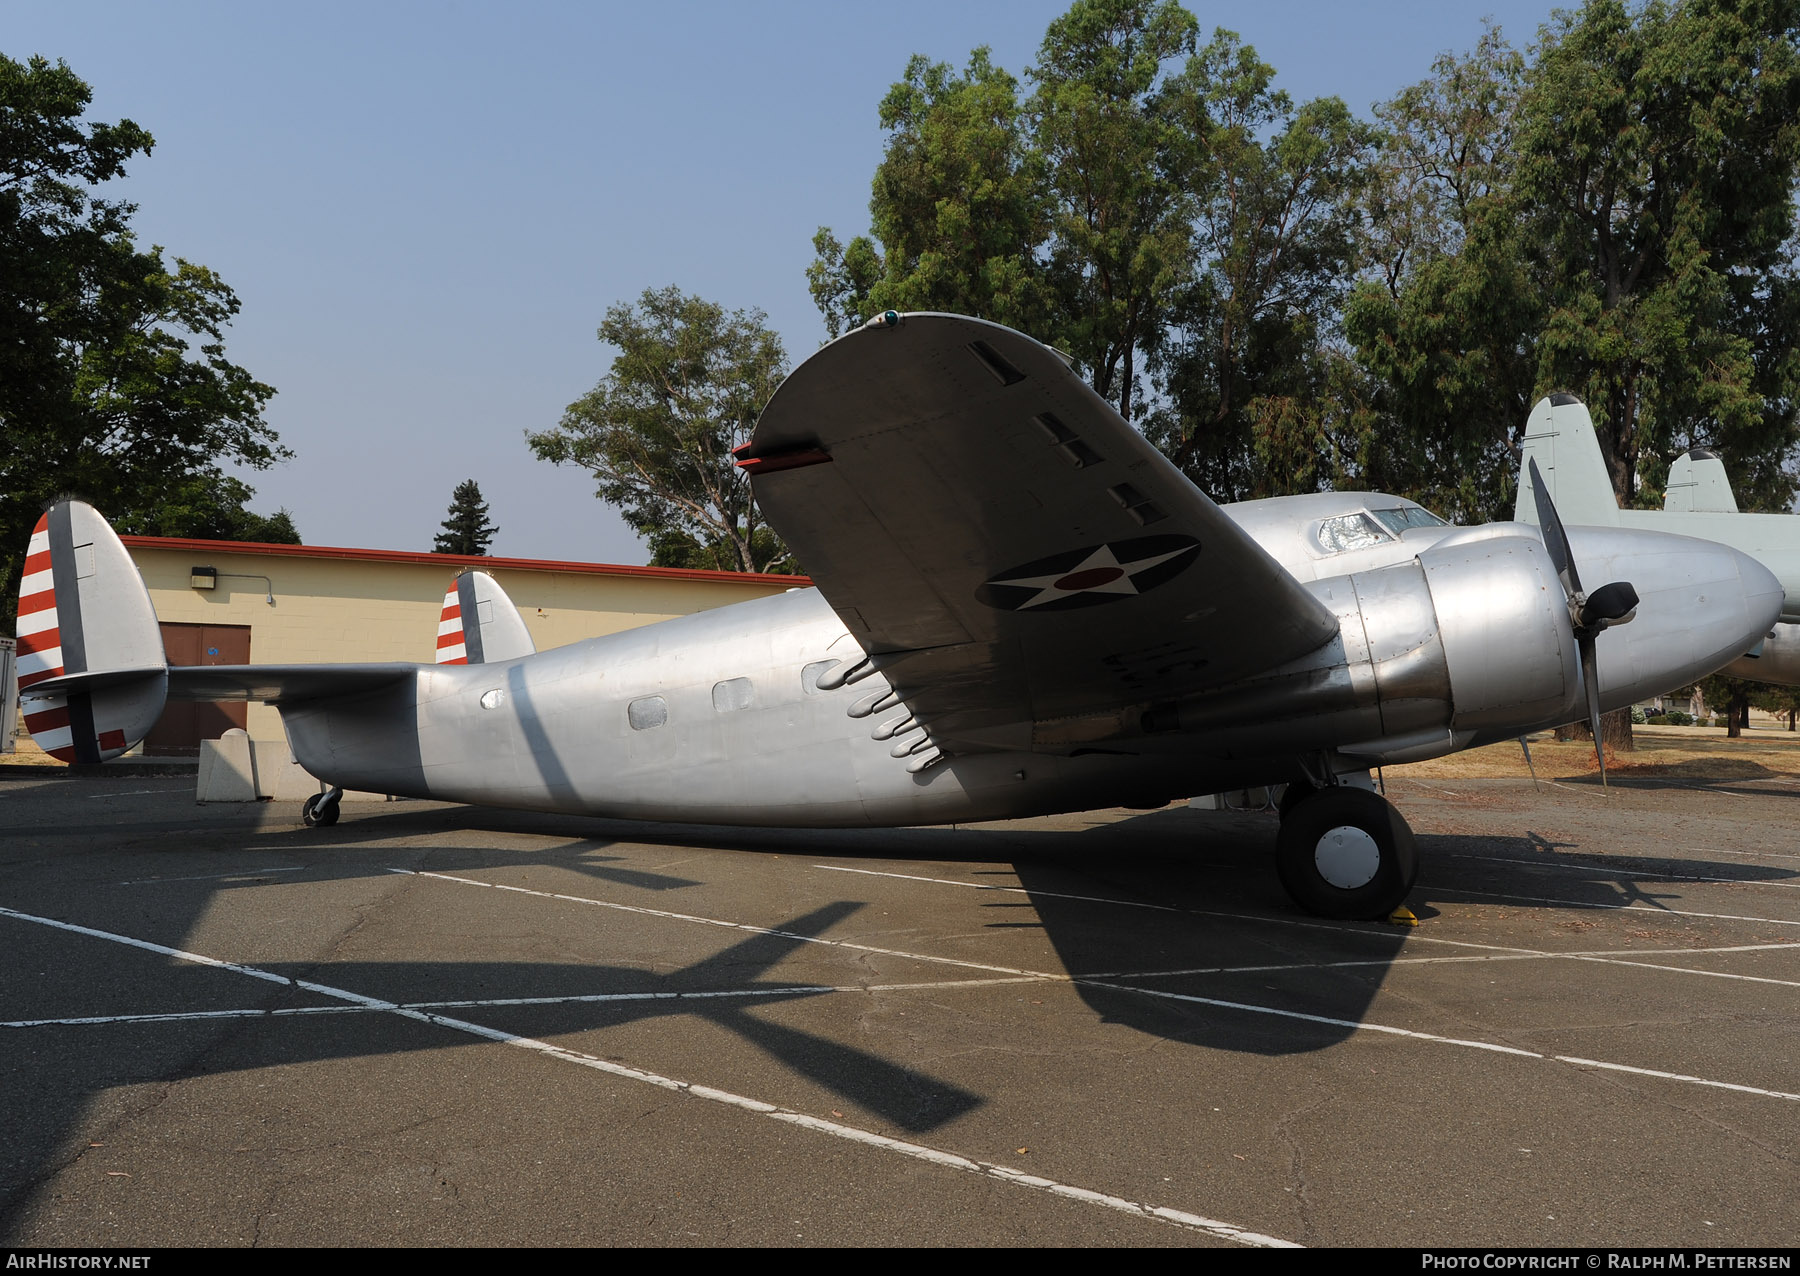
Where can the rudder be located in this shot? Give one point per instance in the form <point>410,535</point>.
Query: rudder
<point>1559,435</point>
<point>479,624</point>
<point>92,675</point>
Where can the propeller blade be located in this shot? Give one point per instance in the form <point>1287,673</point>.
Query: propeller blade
<point>1555,539</point>
<point>1590,678</point>
<point>1529,766</point>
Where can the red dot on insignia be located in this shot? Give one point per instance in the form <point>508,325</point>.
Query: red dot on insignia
<point>1088,579</point>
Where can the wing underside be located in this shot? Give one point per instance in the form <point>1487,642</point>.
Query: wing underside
<point>1014,552</point>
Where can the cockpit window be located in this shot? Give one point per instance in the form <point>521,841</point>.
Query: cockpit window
<point>1349,531</point>
<point>1398,520</point>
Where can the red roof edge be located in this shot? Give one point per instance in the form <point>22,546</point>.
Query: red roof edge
<point>457,561</point>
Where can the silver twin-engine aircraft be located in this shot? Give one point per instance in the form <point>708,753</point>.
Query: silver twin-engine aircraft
<point>1020,608</point>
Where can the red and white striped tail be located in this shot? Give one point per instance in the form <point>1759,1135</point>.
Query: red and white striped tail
<point>40,648</point>
<point>451,647</point>
<point>92,675</point>
<point>479,624</point>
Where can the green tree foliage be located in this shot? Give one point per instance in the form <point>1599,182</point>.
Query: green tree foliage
<point>685,389</point>
<point>1065,215</point>
<point>114,384</point>
<point>210,507</point>
<point>1613,216</point>
<point>1152,207</point>
<point>1123,144</point>
<point>467,529</point>
<point>1439,319</point>
<point>1258,397</point>
<point>958,206</point>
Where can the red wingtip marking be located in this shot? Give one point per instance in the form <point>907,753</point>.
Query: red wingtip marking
<point>112,739</point>
<point>43,523</point>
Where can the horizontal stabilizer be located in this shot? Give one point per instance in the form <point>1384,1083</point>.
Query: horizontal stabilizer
<point>283,684</point>
<point>479,624</point>
<point>91,666</point>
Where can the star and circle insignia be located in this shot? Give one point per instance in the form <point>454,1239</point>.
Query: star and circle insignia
<point>1088,577</point>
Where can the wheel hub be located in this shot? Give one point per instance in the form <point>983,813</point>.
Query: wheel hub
<point>1347,857</point>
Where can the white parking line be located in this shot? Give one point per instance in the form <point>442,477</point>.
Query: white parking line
<point>1611,908</point>
<point>1621,957</point>
<point>1618,872</point>
<point>714,921</point>
<point>1338,928</point>
<point>1365,1026</point>
<point>799,990</point>
<point>1112,985</point>
<point>916,1151</point>
<point>211,877</point>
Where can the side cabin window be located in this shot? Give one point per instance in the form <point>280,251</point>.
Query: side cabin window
<point>1348,532</point>
<point>809,676</point>
<point>1400,520</point>
<point>651,711</point>
<point>732,695</point>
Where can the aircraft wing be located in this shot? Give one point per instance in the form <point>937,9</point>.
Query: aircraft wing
<point>958,493</point>
<point>277,683</point>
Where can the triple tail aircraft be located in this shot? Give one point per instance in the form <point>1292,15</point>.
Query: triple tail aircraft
<point>1020,607</point>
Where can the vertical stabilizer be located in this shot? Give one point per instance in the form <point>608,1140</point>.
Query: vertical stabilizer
<point>92,676</point>
<point>479,624</point>
<point>1697,485</point>
<point>1559,435</point>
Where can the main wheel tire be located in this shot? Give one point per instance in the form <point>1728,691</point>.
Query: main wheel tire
<point>315,815</point>
<point>1346,853</point>
<point>1293,794</point>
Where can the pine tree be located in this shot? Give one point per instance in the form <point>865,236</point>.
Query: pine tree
<point>467,530</point>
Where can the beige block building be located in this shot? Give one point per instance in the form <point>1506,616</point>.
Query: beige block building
<point>307,604</point>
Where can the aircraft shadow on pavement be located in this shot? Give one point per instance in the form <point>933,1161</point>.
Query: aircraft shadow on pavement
<point>1166,921</point>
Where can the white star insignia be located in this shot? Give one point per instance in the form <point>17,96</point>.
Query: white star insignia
<point>1100,572</point>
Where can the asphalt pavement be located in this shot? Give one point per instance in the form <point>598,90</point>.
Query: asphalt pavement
<point>441,1025</point>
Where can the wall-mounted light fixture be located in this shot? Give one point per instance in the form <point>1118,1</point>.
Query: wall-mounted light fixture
<point>209,577</point>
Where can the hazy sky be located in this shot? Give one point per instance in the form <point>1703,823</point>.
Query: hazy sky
<point>426,208</point>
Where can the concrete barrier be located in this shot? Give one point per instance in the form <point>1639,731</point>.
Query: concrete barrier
<point>227,769</point>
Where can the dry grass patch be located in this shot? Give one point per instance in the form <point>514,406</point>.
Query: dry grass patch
<point>1685,753</point>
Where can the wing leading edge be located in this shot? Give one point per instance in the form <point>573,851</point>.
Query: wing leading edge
<point>1011,547</point>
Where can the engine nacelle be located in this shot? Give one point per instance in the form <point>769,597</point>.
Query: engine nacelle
<point>1776,659</point>
<point>1503,619</point>
<point>1472,642</point>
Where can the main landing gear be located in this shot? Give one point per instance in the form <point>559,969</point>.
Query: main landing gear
<point>320,811</point>
<point>1344,852</point>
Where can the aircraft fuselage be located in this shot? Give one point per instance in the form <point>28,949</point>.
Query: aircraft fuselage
<point>717,717</point>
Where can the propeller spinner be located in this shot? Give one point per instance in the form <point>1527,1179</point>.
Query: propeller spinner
<point>1609,605</point>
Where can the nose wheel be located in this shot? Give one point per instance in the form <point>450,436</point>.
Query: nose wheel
<point>320,811</point>
<point>1346,853</point>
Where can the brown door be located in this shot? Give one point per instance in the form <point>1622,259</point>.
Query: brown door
<point>185,723</point>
